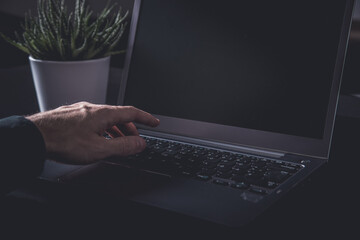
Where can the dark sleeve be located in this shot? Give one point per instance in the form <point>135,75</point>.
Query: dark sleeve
<point>22,152</point>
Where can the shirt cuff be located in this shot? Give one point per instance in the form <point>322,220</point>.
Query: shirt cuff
<point>24,148</point>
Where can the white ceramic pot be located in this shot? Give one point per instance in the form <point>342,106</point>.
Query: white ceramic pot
<point>60,83</point>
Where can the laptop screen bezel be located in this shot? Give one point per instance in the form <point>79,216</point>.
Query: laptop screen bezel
<point>249,137</point>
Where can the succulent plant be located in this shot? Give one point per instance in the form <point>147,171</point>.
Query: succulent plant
<point>59,35</point>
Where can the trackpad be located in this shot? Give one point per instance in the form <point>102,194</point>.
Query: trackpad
<point>117,179</point>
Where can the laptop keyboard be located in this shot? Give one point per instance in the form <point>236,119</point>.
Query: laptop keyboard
<point>240,171</point>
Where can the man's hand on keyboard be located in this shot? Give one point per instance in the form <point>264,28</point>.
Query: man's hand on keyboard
<point>75,133</point>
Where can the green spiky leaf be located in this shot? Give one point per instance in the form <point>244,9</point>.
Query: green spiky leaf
<point>58,35</point>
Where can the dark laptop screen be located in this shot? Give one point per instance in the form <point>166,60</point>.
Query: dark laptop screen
<point>264,65</point>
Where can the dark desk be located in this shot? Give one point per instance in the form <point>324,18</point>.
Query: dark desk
<point>324,206</point>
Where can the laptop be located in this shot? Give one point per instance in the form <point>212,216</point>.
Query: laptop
<point>246,92</point>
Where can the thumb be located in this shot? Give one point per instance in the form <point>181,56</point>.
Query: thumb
<point>125,146</point>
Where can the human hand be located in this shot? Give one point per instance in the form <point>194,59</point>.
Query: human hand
<point>74,133</point>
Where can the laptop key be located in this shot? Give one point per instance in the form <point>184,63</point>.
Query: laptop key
<point>192,162</point>
<point>258,164</point>
<point>198,156</point>
<point>286,168</point>
<point>238,178</point>
<point>208,171</point>
<point>238,171</point>
<point>254,178</point>
<point>258,190</point>
<point>240,185</point>
<point>242,165</point>
<point>212,159</point>
<point>179,156</point>
<point>208,164</point>
<point>205,174</point>
<point>225,167</point>
<point>168,153</point>
<point>270,184</point>
<point>188,171</point>
<point>226,175</point>
<point>202,177</point>
<point>159,149</point>
<point>277,176</point>
<point>220,182</point>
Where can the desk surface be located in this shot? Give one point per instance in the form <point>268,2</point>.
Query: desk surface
<point>326,205</point>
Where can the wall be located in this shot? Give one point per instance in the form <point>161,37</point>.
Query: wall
<point>357,11</point>
<point>19,7</point>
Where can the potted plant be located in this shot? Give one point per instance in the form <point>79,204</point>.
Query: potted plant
<point>69,52</point>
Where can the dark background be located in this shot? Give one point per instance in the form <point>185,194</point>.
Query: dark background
<point>16,62</point>
<point>327,205</point>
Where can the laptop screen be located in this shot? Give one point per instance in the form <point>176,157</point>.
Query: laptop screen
<point>263,65</point>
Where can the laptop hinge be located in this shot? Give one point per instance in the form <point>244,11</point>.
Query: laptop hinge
<point>213,144</point>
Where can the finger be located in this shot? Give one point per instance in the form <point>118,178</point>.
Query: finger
<point>125,146</point>
<point>128,129</point>
<point>115,132</point>
<point>119,114</point>
<point>110,133</point>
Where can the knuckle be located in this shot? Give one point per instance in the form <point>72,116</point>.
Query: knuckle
<point>83,116</point>
<point>85,108</point>
<point>79,104</point>
<point>130,108</point>
<point>61,108</point>
<point>82,103</point>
